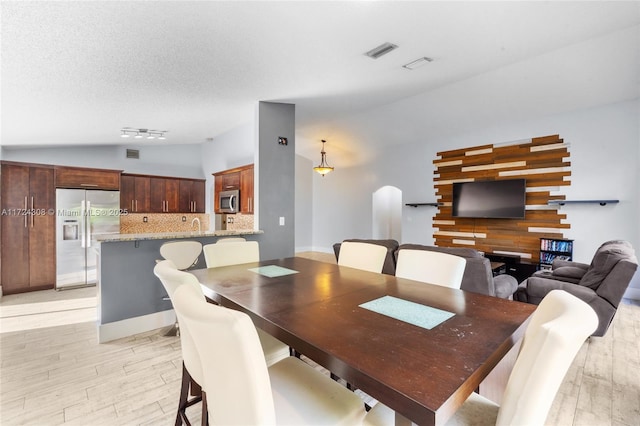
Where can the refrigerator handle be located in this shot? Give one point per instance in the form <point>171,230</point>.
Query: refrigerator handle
<point>25,211</point>
<point>83,224</point>
<point>88,221</point>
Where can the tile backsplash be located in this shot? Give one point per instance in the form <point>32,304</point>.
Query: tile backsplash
<point>134,223</point>
<point>239,221</point>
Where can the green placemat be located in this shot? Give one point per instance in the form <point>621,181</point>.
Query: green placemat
<point>272,271</point>
<point>403,310</point>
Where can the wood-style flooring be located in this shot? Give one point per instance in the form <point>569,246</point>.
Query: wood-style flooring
<point>53,371</point>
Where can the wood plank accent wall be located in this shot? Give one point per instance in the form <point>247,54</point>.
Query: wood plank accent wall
<point>541,161</point>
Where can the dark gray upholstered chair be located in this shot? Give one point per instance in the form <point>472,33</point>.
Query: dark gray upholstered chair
<point>601,284</point>
<point>478,277</point>
<point>389,266</point>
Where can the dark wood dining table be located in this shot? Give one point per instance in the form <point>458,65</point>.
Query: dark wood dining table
<point>423,374</point>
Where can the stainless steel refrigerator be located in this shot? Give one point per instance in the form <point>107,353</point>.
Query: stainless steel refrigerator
<point>82,215</point>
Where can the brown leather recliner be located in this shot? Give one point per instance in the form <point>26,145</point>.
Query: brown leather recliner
<point>601,284</point>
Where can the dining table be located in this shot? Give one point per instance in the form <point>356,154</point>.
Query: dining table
<point>419,348</point>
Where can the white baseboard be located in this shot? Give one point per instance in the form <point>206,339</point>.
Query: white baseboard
<point>632,293</point>
<point>129,327</point>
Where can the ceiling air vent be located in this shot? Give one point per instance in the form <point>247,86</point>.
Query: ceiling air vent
<point>383,49</point>
<point>133,153</point>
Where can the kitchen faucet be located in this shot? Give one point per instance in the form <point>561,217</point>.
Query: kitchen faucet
<point>195,219</point>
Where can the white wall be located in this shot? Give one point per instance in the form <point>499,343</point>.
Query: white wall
<point>164,160</point>
<point>234,148</point>
<point>303,204</point>
<point>604,144</point>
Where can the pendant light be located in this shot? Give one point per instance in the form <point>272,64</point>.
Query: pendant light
<point>323,168</point>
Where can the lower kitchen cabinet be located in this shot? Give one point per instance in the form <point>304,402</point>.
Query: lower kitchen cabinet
<point>28,227</point>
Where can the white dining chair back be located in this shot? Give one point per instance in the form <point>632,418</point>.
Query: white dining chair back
<point>556,332</point>
<point>236,379</point>
<point>184,254</point>
<point>431,267</point>
<point>231,253</point>
<point>365,256</point>
<point>558,329</point>
<point>241,390</point>
<point>172,279</point>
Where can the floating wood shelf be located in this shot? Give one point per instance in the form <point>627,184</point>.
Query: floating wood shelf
<point>601,202</point>
<point>423,204</point>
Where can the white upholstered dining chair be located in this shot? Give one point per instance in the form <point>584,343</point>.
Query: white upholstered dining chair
<point>431,267</point>
<point>192,378</point>
<point>556,331</point>
<point>235,253</point>
<point>231,253</point>
<point>239,388</point>
<point>365,256</point>
<point>184,254</point>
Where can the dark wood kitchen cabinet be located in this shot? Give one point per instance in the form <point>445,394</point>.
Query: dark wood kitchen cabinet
<point>134,193</point>
<point>28,252</point>
<point>240,178</point>
<point>165,195</point>
<point>246,190</point>
<point>230,180</point>
<point>161,194</point>
<point>192,195</point>
<point>80,177</point>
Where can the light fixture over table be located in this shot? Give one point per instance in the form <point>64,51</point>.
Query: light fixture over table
<point>126,132</point>
<point>323,168</point>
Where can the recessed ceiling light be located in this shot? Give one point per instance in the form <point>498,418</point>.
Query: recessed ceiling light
<point>383,49</point>
<point>417,63</point>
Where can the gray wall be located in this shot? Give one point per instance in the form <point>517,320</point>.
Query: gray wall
<point>276,179</point>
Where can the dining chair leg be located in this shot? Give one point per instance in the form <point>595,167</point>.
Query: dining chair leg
<point>188,387</point>
<point>184,396</point>
<point>205,413</point>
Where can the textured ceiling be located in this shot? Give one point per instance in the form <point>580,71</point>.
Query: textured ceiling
<point>77,72</point>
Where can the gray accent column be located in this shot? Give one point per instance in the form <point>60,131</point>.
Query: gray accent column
<point>276,179</point>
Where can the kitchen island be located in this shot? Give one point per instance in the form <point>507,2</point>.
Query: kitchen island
<point>131,299</point>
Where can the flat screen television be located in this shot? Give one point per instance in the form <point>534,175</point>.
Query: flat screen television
<point>500,199</point>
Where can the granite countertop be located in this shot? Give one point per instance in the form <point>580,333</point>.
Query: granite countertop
<point>174,235</point>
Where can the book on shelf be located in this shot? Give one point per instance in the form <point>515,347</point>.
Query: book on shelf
<point>556,245</point>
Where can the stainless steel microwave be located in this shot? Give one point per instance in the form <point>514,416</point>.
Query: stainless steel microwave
<point>229,201</point>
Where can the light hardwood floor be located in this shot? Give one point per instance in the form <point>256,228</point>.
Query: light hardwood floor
<point>53,371</point>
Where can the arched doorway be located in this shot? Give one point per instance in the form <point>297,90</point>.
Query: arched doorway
<point>387,213</point>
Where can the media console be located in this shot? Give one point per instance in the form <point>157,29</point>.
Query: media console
<point>519,269</point>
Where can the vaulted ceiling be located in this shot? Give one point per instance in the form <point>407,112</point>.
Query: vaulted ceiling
<point>77,72</point>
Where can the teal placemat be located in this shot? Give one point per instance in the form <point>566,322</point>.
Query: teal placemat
<point>272,271</point>
<point>403,310</point>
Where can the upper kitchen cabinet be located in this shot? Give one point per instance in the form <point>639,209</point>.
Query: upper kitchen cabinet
<point>239,178</point>
<point>164,195</point>
<point>135,193</point>
<point>79,177</point>
<point>246,190</point>
<point>161,194</point>
<point>192,195</point>
<point>28,255</point>
<point>230,180</point>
